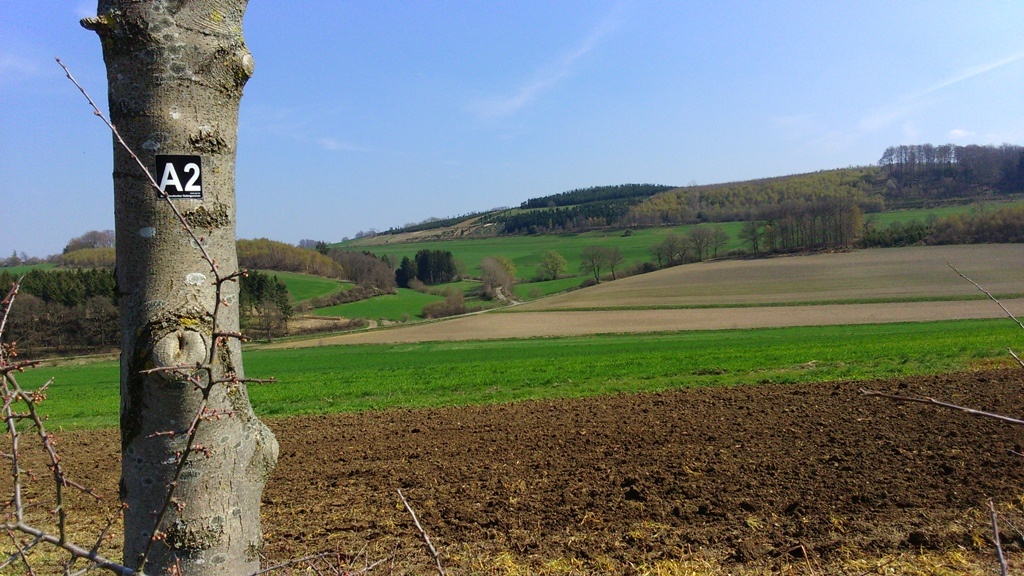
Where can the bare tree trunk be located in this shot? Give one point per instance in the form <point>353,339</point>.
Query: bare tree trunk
<point>175,72</point>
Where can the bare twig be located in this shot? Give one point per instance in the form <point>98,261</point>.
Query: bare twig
<point>426,539</point>
<point>1003,567</point>
<point>12,394</point>
<point>934,402</point>
<point>1015,357</point>
<point>177,213</point>
<point>8,301</point>
<point>989,294</point>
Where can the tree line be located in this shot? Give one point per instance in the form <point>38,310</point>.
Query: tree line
<point>563,219</point>
<point>428,267</point>
<point>595,194</point>
<point>264,254</point>
<point>745,200</point>
<point>1003,225</point>
<point>947,170</point>
<point>67,311</point>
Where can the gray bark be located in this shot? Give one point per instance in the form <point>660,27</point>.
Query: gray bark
<point>175,72</point>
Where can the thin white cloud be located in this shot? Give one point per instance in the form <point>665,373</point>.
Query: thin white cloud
<point>335,145</point>
<point>959,134</point>
<point>14,65</point>
<point>967,74</point>
<point>545,78</point>
<point>886,116</point>
<point>298,125</point>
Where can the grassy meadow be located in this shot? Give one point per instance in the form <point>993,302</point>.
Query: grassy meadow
<point>370,377</point>
<point>404,305</point>
<point>19,270</point>
<point>305,286</point>
<point>923,214</point>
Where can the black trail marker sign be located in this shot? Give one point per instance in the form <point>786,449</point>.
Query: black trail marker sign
<point>180,176</point>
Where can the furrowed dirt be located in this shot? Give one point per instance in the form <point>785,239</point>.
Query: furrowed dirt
<point>753,476</point>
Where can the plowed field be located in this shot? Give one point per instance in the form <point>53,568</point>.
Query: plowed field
<point>801,477</point>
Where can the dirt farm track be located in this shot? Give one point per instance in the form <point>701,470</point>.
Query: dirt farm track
<point>800,479</point>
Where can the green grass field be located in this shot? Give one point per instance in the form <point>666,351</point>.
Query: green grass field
<point>369,377</point>
<point>304,286</point>
<point>19,270</point>
<point>537,289</point>
<point>406,303</point>
<point>922,214</point>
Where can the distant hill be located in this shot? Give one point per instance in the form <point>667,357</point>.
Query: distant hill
<point>908,176</point>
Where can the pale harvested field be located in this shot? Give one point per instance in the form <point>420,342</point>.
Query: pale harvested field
<point>865,274</point>
<point>868,274</point>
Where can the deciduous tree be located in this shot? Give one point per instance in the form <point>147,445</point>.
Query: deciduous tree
<point>498,276</point>
<point>719,238</point>
<point>594,261</point>
<point>552,265</point>
<point>175,72</point>
<point>700,238</point>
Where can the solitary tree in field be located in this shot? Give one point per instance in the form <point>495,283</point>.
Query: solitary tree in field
<point>175,72</point>
<point>614,259</point>
<point>497,277</point>
<point>594,261</point>
<point>553,264</point>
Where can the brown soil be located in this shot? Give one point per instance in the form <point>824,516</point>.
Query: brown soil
<point>753,475</point>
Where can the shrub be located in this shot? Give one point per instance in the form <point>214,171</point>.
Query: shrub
<point>454,304</point>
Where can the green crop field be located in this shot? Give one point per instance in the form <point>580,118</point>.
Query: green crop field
<point>366,377</point>
<point>304,286</point>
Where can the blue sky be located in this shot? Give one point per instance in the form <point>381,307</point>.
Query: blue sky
<point>375,114</point>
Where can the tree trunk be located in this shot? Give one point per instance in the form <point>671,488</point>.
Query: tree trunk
<point>175,72</point>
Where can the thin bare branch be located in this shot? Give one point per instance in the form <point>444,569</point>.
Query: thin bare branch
<point>934,402</point>
<point>245,381</point>
<point>426,538</point>
<point>20,553</point>
<point>183,368</point>
<point>1003,567</point>
<point>989,294</point>
<point>19,366</point>
<point>8,301</point>
<point>1015,357</point>
<point>214,268</point>
<point>74,550</point>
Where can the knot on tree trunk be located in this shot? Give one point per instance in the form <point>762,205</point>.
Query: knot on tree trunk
<point>182,347</point>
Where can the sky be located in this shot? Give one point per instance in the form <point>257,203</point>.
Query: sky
<point>372,115</point>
